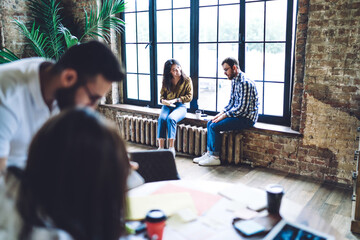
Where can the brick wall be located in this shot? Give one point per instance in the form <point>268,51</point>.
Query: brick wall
<point>9,34</point>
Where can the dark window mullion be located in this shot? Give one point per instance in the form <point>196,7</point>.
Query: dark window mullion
<point>288,57</point>
<point>153,53</point>
<point>217,56</point>
<point>263,78</point>
<point>194,52</point>
<point>137,51</point>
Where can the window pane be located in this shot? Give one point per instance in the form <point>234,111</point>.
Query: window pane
<point>207,24</point>
<point>164,52</point>
<point>207,60</point>
<point>163,4</point>
<point>229,23</point>
<point>132,86</point>
<point>143,27</point>
<point>142,5</point>
<point>259,88</point>
<point>163,26</point>
<point>131,63</point>
<point>182,54</point>
<point>181,25</point>
<point>276,20</point>
<point>254,60</point>
<point>144,87</point>
<point>130,6</point>
<point>274,62</point>
<point>254,22</point>
<point>274,99</point>
<point>226,50</point>
<point>224,90</point>
<point>228,1</point>
<point>207,99</point>
<point>144,59</point>
<point>181,3</point>
<point>130,28</point>
<point>207,2</point>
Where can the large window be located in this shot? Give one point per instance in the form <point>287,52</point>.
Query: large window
<point>200,34</point>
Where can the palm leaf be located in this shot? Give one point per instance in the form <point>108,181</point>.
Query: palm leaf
<point>46,14</point>
<point>37,40</point>
<point>7,56</point>
<point>70,39</point>
<point>99,24</point>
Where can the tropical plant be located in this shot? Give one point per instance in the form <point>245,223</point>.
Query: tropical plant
<point>49,38</point>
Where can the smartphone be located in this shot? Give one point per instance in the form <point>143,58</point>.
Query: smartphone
<point>249,227</point>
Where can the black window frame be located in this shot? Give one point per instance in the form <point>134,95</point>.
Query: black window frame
<point>194,58</point>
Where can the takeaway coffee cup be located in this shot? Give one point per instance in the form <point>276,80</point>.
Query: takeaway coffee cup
<point>155,224</point>
<point>198,114</point>
<point>274,194</point>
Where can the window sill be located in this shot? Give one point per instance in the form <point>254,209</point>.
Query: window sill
<point>191,118</point>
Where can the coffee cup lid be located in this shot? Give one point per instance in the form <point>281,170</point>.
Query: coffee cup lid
<point>155,215</point>
<point>275,188</point>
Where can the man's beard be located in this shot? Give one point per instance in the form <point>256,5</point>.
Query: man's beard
<point>65,97</point>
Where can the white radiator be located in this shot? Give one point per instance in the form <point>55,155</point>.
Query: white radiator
<point>189,139</point>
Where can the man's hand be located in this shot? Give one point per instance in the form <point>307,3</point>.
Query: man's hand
<point>219,117</point>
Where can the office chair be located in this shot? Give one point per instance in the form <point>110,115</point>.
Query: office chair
<point>155,165</point>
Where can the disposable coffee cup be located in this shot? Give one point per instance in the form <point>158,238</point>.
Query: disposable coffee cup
<point>274,194</point>
<point>198,114</point>
<point>155,224</point>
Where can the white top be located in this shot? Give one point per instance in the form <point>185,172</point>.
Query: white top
<point>22,108</point>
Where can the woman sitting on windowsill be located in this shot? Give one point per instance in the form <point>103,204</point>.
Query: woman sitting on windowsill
<point>175,92</point>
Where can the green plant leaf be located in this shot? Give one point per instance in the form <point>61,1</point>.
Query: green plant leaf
<point>37,40</point>
<point>46,14</point>
<point>100,24</point>
<point>70,39</point>
<point>7,56</point>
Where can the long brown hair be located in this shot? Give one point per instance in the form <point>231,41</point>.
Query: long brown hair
<point>76,177</point>
<point>167,76</point>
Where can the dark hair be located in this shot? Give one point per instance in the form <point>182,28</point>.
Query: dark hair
<point>231,62</point>
<point>90,59</point>
<point>76,177</point>
<point>167,76</point>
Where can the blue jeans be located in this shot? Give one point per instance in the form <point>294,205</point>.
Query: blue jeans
<point>227,124</point>
<point>169,117</point>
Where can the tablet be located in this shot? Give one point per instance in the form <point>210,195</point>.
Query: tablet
<point>288,230</point>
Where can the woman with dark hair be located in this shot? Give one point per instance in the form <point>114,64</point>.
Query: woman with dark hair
<point>175,92</point>
<point>74,184</point>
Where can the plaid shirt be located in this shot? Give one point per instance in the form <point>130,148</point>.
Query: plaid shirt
<point>244,99</point>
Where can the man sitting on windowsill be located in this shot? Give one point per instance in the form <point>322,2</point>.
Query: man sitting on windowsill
<point>240,113</point>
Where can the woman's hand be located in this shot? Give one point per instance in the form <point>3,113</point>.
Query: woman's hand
<point>134,165</point>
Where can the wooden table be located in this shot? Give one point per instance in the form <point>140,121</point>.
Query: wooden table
<point>216,223</point>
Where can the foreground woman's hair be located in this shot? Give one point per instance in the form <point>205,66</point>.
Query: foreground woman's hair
<point>75,178</point>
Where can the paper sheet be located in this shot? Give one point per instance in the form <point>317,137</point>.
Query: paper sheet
<point>203,201</point>
<point>170,203</point>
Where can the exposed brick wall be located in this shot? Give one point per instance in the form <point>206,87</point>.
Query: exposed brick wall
<point>9,32</point>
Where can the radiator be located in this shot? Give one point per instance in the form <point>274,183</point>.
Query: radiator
<point>189,139</point>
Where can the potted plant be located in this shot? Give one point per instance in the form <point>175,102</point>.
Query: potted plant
<point>49,38</point>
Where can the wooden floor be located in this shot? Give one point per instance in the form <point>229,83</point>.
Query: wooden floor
<point>330,202</point>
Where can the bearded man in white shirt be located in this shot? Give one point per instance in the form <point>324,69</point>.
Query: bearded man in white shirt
<point>34,89</point>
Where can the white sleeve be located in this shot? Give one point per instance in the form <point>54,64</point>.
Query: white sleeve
<point>8,127</point>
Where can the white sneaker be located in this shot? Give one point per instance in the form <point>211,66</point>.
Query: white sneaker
<point>173,151</point>
<point>204,156</point>
<point>211,160</point>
